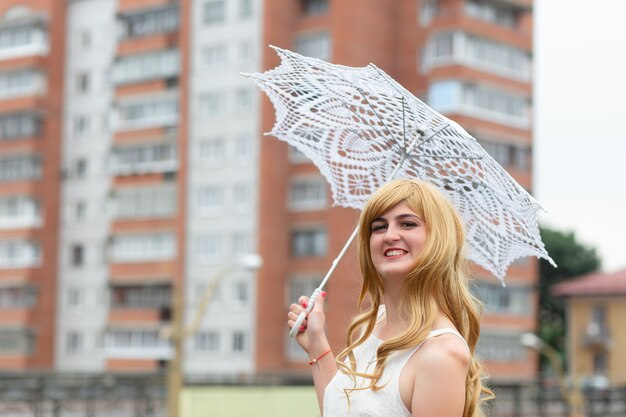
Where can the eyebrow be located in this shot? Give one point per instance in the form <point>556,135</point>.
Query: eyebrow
<point>398,217</point>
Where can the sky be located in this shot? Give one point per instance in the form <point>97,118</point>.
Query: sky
<point>580,122</point>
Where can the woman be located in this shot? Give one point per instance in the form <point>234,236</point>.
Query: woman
<point>411,350</point>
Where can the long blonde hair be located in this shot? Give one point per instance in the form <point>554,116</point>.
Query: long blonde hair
<point>439,281</point>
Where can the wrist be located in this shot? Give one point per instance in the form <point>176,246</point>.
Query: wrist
<point>318,349</point>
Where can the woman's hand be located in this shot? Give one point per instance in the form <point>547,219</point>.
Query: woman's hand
<point>311,335</point>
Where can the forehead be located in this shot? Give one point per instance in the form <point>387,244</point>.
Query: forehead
<point>400,209</point>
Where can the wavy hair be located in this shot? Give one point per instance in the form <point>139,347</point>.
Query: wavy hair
<point>439,281</point>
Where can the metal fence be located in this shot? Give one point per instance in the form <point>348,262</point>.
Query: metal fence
<point>54,395</point>
<point>62,395</point>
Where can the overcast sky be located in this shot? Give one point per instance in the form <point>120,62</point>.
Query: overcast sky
<point>580,121</point>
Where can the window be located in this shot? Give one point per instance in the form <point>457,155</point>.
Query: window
<point>215,56</point>
<point>503,300</point>
<point>315,45</point>
<point>447,48</point>
<point>163,19</point>
<point>208,247</point>
<point>82,83</point>
<point>18,254</point>
<point>149,201</point>
<point>244,52</point>
<point>143,247</point>
<point>83,39</point>
<point>211,198</point>
<point>243,100</point>
<point>141,296</point>
<point>18,297</point>
<point>153,111</point>
<point>600,363</point>
<point>148,158</point>
<point>19,211</point>
<point>20,82</point>
<point>74,296</point>
<point>214,12</point>
<point>212,104</point>
<point>213,150</point>
<point>20,168</point>
<point>240,292</point>
<point>429,10</point>
<point>242,243</point>
<point>307,193</point>
<point>80,210</point>
<point>207,341</point>
<point>22,39</point>
<point>243,146</point>
<point>507,154</point>
<point>245,8</point>
<point>80,168</point>
<point>492,12</point>
<point>146,66</point>
<point>142,339</point>
<point>309,242</point>
<point>19,125</point>
<point>81,125</point>
<point>315,6</point>
<point>500,347</point>
<point>242,196</point>
<point>78,255</point>
<point>16,341</point>
<point>74,342</point>
<point>239,342</point>
<point>480,101</point>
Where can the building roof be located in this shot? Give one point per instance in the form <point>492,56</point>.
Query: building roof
<point>596,283</point>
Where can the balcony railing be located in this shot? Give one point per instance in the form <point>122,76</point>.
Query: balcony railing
<point>596,336</point>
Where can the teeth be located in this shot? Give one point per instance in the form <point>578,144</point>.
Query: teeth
<point>395,253</point>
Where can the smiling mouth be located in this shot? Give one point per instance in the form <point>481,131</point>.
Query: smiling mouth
<point>394,252</point>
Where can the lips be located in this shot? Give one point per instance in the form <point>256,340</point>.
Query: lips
<point>391,252</point>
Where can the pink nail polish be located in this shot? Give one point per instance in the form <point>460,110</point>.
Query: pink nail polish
<point>304,305</point>
<point>301,329</point>
<point>324,294</point>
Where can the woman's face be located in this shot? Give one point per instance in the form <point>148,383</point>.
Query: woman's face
<point>397,239</point>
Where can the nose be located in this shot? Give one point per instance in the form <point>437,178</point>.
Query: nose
<point>392,234</point>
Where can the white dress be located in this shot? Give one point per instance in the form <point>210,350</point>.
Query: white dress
<point>385,402</point>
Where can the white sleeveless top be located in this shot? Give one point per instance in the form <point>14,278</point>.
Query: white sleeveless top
<point>385,402</point>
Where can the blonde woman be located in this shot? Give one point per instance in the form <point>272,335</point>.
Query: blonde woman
<point>411,350</point>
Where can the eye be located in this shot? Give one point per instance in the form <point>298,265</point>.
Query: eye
<point>377,227</point>
<point>409,225</point>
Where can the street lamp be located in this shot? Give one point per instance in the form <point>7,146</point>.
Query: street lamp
<point>571,394</point>
<point>177,331</point>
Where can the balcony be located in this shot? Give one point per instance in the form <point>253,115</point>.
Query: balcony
<point>147,22</point>
<point>136,343</point>
<point>596,336</point>
<point>139,68</point>
<point>23,37</point>
<point>144,159</point>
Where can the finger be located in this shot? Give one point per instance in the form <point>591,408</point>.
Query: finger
<point>303,301</point>
<point>296,308</point>
<point>319,302</point>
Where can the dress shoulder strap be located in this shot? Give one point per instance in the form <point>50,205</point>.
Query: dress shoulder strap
<point>445,330</point>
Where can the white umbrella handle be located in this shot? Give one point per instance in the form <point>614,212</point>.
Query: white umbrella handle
<point>318,290</point>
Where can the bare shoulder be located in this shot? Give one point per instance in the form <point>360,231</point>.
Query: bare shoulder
<point>443,352</point>
<point>439,370</point>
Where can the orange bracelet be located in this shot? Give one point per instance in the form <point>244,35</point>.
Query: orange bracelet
<point>314,361</point>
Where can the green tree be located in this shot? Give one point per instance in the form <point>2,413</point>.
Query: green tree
<point>573,259</point>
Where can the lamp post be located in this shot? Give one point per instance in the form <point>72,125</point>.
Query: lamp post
<point>571,394</point>
<point>178,331</point>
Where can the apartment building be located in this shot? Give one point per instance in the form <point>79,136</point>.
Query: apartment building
<point>132,168</point>
<point>31,107</point>
<point>469,59</point>
<point>159,187</point>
